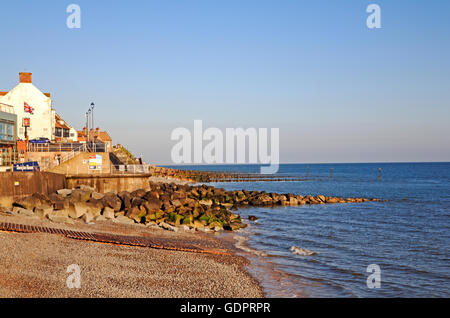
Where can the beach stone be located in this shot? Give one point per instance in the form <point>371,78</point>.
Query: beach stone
<point>153,205</point>
<point>198,224</point>
<point>77,210</point>
<point>332,200</point>
<point>108,213</point>
<point>43,211</point>
<point>125,196</point>
<point>97,196</point>
<point>88,217</point>
<point>122,220</point>
<point>252,218</point>
<point>54,197</point>
<point>151,195</point>
<point>215,224</point>
<point>85,187</point>
<point>100,218</point>
<point>321,198</point>
<point>29,202</point>
<point>185,227</point>
<point>113,201</point>
<point>64,192</point>
<point>94,207</point>
<point>168,227</point>
<point>59,217</point>
<point>207,202</point>
<point>176,203</point>
<point>139,193</point>
<point>136,213</point>
<point>137,202</point>
<point>61,205</point>
<point>22,211</point>
<point>79,195</point>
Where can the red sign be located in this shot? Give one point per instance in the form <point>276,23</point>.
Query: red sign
<point>26,122</point>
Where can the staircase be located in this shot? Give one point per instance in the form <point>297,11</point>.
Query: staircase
<point>65,157</point>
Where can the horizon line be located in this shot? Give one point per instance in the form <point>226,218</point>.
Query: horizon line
<point>297,163</point>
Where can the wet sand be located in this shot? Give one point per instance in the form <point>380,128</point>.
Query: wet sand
<point>35,265</point>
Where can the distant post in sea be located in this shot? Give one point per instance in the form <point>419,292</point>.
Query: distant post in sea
<point>331,172</point>
<point>379,173</point>
<point>307,171</point>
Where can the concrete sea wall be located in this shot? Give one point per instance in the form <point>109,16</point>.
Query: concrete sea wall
<point>111,183</point>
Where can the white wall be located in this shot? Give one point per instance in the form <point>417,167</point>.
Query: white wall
<point>42,122</point>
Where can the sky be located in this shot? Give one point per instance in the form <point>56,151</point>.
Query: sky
<point>337,90</point>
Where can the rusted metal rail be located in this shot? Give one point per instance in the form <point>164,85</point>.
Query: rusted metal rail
<point>157,243</point>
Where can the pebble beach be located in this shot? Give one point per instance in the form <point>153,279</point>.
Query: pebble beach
<point>35,265</point>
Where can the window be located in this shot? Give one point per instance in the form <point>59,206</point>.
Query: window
<point>58,132</point>
<point>7,129</point>
<point>65,133</point>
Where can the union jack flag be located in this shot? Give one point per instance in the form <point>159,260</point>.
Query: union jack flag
<point>27,108</point>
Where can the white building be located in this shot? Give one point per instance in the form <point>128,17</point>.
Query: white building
<point>34,106</point>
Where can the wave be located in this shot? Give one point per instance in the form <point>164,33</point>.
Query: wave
<point>240,244</point>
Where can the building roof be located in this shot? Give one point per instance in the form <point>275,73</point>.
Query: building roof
<point>104,136</point>
<point>60,123</point>
<point>100,135</point>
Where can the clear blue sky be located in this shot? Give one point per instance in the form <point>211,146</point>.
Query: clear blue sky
<point>338,91</point>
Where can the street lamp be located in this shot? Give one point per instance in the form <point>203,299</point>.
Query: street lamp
<point>87,123</point>
<point>93,129</point>
<point>88,131</point>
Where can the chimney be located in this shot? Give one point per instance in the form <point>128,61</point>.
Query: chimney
<point>25,77</point>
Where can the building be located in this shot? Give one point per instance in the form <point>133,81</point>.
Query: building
<point>95,135</point>
<point>31,105</point>
<point>63,131</point>
<point>8,134</point>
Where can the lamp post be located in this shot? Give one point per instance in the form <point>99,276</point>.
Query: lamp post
<point>93,129</point>
<point>88,131</point>
<point>87,124</point>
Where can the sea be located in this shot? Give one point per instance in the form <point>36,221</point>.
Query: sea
<point>396,248</point>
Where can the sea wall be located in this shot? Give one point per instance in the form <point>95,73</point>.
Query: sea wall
<point>110,183</point>
<point>15,185</point>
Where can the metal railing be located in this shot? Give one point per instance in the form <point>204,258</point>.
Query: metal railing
<point>7,108</point>
<point>65,147</point>
<point>63,158</point>
<point>129,169</point>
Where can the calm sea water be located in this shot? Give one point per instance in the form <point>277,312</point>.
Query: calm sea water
<point>408,236</point>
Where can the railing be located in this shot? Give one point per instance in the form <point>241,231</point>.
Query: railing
<point>65,147</point>
<point>6,108</point>
<point>62,147</point>
<point>129,169</point>
<point>65,157</point>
